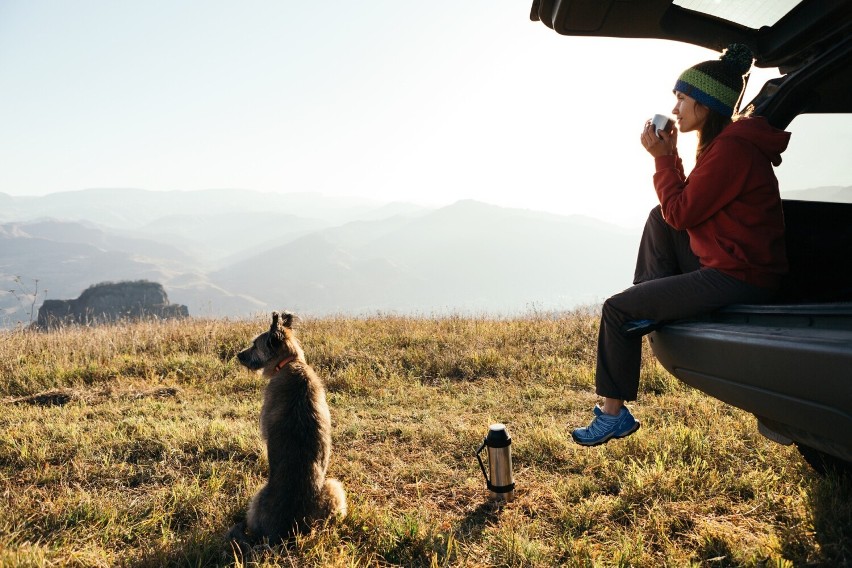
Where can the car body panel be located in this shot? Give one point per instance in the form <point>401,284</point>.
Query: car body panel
<point>790,366</point>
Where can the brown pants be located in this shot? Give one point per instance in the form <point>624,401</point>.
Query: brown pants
<point>669,284</point>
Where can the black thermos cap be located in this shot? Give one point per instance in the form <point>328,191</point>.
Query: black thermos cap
<point>498,437</point>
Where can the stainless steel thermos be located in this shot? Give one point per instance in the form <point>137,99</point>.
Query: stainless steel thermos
<point>499,444</point>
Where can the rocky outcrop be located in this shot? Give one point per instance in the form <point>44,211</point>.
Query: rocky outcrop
<point>110,302</point>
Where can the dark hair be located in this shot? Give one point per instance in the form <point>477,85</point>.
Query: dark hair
<point>712,127</point>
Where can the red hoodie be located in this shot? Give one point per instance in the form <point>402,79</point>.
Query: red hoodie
<point>730,204</point>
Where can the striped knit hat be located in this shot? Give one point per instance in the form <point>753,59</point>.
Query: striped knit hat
<point>718,84</point>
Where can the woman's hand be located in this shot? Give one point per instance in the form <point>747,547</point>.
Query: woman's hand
<point>655,145</point>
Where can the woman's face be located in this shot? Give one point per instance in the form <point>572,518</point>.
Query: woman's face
<point>690,115</point>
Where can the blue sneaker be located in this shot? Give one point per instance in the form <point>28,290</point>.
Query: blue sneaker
<point>604,427</point>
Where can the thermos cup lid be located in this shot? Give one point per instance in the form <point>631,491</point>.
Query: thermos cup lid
<point>498,437</point>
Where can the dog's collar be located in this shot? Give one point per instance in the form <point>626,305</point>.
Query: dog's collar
<point>280,365</point>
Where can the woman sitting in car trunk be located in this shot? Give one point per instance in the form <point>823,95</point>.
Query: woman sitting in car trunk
<point>717,237</point>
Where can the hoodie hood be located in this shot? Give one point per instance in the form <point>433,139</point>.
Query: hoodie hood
<point>755,130</point>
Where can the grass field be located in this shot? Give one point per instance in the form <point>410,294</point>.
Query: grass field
<point>138,445</point>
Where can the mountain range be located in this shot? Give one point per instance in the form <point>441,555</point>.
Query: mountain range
<point>233,253</point>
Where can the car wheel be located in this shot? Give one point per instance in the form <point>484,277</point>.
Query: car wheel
<point>824,463</point>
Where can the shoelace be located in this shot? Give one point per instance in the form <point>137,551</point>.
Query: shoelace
<point>603,424</point>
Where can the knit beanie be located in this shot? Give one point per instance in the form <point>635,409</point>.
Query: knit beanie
<point>718,84</point>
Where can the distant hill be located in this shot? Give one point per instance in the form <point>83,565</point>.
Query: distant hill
<point>210,225</point>
<point>67,258</point>
<point>109,302</point>
<point>234,253</point>
<point>833,194</point>
<point>65,232</point>
<point>217,236</point>
<point>128,208</point>
<point>469,256</point>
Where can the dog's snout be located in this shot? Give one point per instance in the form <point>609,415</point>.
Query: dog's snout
<point>242,357</point>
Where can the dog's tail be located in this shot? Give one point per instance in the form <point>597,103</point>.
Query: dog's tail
<point>335,498</point>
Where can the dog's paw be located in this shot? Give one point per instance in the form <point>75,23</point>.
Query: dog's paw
<point>237,538</point>
<point>336,496</point>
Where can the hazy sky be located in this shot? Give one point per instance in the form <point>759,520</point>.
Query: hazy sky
<point>428,102</point>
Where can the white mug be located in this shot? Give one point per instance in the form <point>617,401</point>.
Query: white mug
<point>662,122</point>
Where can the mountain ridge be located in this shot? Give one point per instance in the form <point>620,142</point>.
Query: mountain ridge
<point>313,253</point>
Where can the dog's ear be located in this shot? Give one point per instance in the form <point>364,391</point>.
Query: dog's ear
<point>275,336</point>
<point>287,320</point>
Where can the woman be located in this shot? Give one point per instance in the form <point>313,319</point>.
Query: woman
<point>717,237</point>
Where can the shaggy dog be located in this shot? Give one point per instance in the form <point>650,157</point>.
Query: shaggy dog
<point>296,425</point>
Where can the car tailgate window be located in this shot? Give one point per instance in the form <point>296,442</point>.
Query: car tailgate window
<point>748,13</point>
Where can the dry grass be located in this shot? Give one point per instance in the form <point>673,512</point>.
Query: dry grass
<point>138,445</point>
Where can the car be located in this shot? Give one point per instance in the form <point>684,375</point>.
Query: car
<point>789,363</point>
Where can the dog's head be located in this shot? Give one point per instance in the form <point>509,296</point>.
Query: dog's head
<point>271,347</point>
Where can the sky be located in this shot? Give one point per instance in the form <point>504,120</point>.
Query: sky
<point>427,102</point>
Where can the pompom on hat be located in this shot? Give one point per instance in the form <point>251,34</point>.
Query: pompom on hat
<point>718,84</point>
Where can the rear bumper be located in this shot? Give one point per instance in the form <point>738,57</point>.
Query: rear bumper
<point>791,366</point>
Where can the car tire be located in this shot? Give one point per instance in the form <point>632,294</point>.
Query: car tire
<point>824,463</point>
